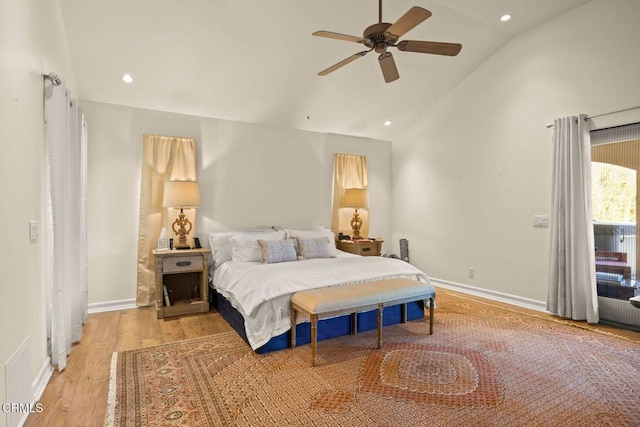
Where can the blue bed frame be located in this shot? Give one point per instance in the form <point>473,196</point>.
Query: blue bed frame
<point>327,328</point>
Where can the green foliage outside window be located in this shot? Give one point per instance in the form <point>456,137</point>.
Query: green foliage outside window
<point>614,193</point>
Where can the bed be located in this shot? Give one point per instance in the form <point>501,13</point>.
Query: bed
<point>254,295</point>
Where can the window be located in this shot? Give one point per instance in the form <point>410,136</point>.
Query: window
<point>614,197</point>
<point>615,156</point>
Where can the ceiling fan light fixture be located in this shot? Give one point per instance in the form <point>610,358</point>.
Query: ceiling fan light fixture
<point>505,17</point>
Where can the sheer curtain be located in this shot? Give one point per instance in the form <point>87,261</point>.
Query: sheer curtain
<point>349,171</point>
<point>164,158</point>
<point>65,221</point>
<point>572,278</point>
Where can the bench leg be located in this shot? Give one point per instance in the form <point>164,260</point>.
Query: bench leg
<point>403,313</point>
<point>354,323</point>
<point>431,306</point>
<point>314,338</point>
<point>293,327</point>
<point>380,308</point>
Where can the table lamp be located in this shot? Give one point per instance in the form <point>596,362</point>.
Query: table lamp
<point>357,198</point>
<point>183,195</point>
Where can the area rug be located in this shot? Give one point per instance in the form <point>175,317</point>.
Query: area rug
<point>483,366</point>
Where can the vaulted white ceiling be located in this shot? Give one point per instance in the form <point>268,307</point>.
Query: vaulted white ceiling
<point>256,61</point>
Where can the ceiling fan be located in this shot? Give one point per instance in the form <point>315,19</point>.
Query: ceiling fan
<point>381,36</point>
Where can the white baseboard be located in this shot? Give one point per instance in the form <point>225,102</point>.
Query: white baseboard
<point>493,295</point>
<point>99,307</point>
<point>42,379</point>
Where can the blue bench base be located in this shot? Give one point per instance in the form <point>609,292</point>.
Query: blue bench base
<point>327,328</point>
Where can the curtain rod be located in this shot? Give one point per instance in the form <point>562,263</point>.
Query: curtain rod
<point>550,125</point>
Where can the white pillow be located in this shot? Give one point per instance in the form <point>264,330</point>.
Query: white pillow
<point>220,243</point>
<point>331,241</point>
<point>245,247</point>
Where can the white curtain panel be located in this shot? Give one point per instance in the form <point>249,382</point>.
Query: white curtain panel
<point>572,276</point>
<point>65,221</point>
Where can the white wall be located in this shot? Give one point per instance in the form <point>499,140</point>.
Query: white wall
<point>250,176</point>
<point>32,43</point>
<point>468,179</point>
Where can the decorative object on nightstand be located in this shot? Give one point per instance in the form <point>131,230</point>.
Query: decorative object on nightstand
<point>357,198</point>
<point>181,282</point>
<point>163,242</point>
<point>181,194</point>
<point>364,247</point>
<point>404,250</point>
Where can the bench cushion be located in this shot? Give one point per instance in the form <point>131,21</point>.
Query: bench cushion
<point>338,298</point>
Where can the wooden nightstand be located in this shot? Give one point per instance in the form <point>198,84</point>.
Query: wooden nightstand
<point>360,247</point>
<point>184,274</point>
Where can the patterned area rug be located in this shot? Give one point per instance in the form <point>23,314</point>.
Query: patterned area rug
<point>484,366</point>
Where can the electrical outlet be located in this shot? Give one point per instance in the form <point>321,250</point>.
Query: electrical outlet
<point>472,272</point>
<point>541,221</point>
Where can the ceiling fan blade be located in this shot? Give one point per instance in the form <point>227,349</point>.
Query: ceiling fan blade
<point>437,48</point>
<point>338,36</point>
<point>409,20</point>
<point>343,63</point>
<point>388,66</point>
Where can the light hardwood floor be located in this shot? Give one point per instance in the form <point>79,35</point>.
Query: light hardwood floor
<point>78,395</point>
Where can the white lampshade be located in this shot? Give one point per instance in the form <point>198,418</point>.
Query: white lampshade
<point>181,194</point>
<point>355,198</point>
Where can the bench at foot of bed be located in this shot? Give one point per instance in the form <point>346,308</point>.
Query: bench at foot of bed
<point>351,299</point>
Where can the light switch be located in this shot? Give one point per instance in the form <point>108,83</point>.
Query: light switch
<point>541,221</point>
<point>33,231</point>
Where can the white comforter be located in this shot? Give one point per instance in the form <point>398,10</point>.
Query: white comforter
<point>262,292</point>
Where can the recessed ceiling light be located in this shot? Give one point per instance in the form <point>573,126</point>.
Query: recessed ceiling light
<point>127,78</point>
<point>505,17</point>
<point>387,123</point>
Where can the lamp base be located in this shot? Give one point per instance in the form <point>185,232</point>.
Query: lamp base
<point>181,226</point>
<point>356,224</point>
